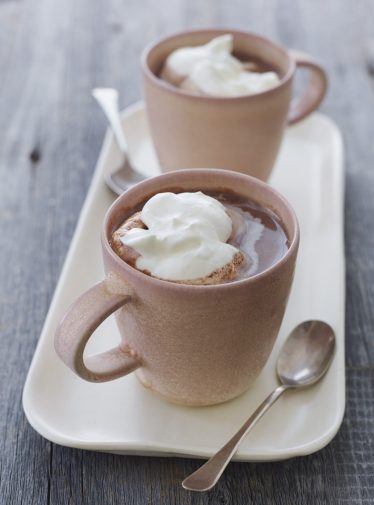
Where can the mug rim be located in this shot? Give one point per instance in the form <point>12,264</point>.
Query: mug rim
<point>177,91</point>
<point>171,178</point>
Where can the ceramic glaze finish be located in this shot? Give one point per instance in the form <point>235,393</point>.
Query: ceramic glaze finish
<point>242,133</point>
<point>196,345</point>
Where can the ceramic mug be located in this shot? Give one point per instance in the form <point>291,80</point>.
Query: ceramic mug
<point>191,344</point>
<point>242,133</point>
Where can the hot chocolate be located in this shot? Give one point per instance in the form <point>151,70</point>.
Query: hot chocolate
<point>213,70</point>
<point>197,238</point>
<point>192,345</point>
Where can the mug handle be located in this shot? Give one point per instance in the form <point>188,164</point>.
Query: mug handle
<point>315,91</point>
<point>81,320</point>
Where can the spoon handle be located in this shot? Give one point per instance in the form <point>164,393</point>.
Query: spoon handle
<point>207,475</point>
<point>107,98</point>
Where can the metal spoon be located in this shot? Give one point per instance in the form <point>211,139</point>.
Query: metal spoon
<point>304,359</point>
<point>126,176</point>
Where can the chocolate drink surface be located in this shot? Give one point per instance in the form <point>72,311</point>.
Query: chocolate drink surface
<point>249,220</point>
<point>254,240</point>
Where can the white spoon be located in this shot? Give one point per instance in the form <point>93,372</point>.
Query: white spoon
<point>126,176</point>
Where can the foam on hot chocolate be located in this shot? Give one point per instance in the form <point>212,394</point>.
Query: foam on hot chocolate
<point>185,237</point>
<point>212,70</point>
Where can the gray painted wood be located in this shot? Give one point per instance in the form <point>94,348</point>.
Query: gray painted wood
<point>51,55</point>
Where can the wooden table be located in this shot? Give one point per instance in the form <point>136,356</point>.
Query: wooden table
<point>51,55</point>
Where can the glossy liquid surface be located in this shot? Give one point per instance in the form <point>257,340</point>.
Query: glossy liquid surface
<point>250,221</point>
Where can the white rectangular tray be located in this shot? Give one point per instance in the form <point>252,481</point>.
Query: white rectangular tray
<point>123,417</point>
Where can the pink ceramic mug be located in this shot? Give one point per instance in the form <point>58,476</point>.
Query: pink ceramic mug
<point>242,133</point>
<point>192,344</point>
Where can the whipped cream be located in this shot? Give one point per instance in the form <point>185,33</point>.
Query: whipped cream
<point>212,70</point>
<point>186,236</point>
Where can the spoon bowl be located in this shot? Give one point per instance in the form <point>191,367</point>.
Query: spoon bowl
<point>306,354</point>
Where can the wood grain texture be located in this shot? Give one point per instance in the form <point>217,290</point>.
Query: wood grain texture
<point>51,55</point>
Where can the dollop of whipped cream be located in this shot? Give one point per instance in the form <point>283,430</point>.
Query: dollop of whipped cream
<point>186,236</point>
<point>212,70</point>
